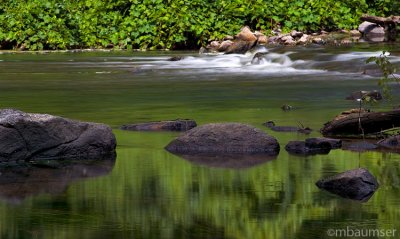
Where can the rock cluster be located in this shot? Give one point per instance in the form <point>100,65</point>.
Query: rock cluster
<point>246,40</point>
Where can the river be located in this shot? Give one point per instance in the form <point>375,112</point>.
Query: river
<point>150,193</point>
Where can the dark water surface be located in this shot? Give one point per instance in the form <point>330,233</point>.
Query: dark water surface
<point>150,193</point>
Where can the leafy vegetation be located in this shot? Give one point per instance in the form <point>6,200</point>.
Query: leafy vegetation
<point>167,24</point>
<point>388,71</point>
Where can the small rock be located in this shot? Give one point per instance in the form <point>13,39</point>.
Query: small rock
<point>202,50</point>
<point>273,39</point>
<point>304,39</point>
<point>228,38</point>
<point>167,125</point>
<point>317,40</point>
<point>225,45</point>
<point>357,184</point>
<point>176,58</point>
<point>288,40</point>
<point>262,39</point>
<point>355,32</point>
<point>214,44</point>
<point>296,34</point>
<point>258,57</point>
<point>286,107</point>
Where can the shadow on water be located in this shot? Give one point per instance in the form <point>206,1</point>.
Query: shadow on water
<point>20,182</point>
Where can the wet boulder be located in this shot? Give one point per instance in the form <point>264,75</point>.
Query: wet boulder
<point>166,125</point>
<point>357,184</point>
<point>30,137</point>
<point>224,138</point>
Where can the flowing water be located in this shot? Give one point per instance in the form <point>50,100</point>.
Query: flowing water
<point>150,193</point>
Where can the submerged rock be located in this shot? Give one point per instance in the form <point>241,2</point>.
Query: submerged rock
<point>272,126</point>
<point>301,148</point>
<point>176,58</point>
<point>29,137</point>
<point>357,184</point>
<point>166,125</point>
<point>224,138</point>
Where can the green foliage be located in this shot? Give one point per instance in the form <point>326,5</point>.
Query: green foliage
<point>155,24</point>
<point>388,71</point>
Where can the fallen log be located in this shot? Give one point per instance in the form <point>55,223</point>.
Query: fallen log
<point>354,123</point>
<point>383,21</point>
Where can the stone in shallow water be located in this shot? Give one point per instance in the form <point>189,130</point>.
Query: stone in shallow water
<point>224,138</point>
<point>29,137</point>
<point>357,184</point>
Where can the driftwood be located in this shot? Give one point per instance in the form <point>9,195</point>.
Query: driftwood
<point>353,123</point>
<point>389,23</point>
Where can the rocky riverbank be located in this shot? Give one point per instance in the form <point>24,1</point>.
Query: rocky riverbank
<point>246,39</point>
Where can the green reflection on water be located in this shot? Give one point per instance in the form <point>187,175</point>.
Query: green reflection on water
<point>151,193</point>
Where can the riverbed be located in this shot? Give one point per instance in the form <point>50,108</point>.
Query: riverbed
<point>149,193</point>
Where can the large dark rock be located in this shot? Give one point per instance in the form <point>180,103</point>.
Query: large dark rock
<point>224,138</point>
<point>29,137</point>
<point>358,184</point>
<point>166,125</point>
